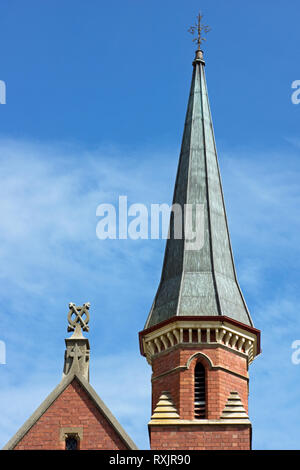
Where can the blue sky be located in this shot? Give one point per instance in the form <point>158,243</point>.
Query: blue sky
<point>96,100</point>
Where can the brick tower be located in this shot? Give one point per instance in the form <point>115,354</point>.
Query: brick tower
<point>199,337</point>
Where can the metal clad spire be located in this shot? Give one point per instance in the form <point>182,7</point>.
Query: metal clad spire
<point>199,282</point>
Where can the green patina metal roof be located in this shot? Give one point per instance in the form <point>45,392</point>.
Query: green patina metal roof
<point>202,281</point>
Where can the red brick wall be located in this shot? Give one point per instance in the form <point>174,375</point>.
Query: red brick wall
<point>73,408</point>
<point>209,437</point>
<point>219,383</point>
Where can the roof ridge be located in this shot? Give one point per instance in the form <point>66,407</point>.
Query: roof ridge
<point>50,399</point>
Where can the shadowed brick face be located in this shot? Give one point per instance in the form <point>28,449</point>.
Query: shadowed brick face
<point>73,408</point>
<point>220,379</point>
<point>225,371</point>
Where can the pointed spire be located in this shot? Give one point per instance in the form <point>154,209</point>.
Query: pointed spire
<point>203,281</point>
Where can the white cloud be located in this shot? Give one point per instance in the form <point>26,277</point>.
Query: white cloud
<point>49,255</point>
<point>48,215</point>
<point>263,196</point>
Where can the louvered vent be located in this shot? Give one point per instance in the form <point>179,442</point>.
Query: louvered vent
<point>200,405</point>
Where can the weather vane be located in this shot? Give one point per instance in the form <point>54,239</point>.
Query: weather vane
<point>199,29</point>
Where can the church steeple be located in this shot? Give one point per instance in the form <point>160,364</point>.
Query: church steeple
<point>199,281</point>
<point>199,338</point>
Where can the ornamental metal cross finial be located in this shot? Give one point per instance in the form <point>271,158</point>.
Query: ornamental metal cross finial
<point>82,317</point>
<point>199,29</point>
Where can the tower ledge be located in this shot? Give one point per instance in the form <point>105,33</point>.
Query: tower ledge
<point>200,331</point>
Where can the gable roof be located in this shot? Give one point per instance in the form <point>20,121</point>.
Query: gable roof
<point>51,399</point>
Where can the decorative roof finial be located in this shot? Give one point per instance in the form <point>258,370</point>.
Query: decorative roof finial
<point>77,354</point>
<point>82,317</point>
<point>199,29</point>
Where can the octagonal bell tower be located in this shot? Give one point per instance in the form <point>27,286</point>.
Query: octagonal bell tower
<point>199,337</point>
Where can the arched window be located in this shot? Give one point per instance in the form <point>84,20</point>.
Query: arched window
<point>199,392</point>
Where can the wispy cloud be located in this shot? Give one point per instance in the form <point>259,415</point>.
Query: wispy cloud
<point>48,218</point>
<point>263,200</point>
<point>49,255</point>
<point>264,197</point>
